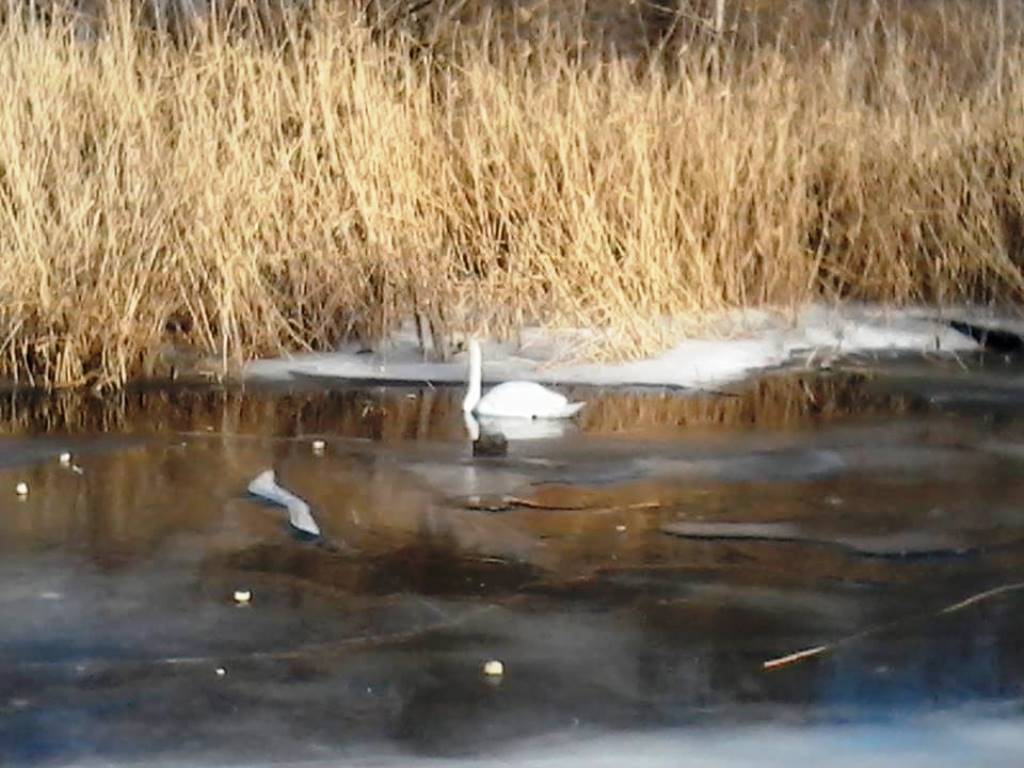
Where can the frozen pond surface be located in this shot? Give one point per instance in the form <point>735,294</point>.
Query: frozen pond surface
<point>633,573</point>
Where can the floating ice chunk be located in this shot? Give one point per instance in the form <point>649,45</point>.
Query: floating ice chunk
<point>769,466</point>
<point>265,486</point>
<point>888,545</point>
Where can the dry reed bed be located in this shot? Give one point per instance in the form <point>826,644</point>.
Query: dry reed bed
<point>244,198</point>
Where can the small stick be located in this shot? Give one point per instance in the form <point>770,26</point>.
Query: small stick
<point>807,653</point>
<point>995,591</point>
<point>514,502</point>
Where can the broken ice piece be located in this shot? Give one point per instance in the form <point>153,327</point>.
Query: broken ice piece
<point>265,486</point>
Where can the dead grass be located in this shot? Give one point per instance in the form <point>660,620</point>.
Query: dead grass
<point>242,195</point>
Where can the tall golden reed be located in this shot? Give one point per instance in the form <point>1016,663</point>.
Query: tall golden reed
<point>247,196</point>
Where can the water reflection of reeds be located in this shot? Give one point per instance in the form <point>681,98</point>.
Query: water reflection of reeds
<point>179,481</point>
<point>187,474</point>
<point>434,413</point>
<point>774,401</point>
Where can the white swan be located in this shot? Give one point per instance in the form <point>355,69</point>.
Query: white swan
<point>513,399</point>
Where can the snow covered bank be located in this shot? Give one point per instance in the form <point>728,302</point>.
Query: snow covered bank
<point>748,342</point>
<point>939,740</point>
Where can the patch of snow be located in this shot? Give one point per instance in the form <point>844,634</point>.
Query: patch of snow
<point>946,739</point>
<point>750,341</point>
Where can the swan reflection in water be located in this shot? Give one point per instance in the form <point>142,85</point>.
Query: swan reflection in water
<point>494,430</point>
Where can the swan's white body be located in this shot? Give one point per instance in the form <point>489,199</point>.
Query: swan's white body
<point>513,399</point>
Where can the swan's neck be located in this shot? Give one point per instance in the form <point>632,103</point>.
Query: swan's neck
<point>473,389</point>
<point>472,425</point>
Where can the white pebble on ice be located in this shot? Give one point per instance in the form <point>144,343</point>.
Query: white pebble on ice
<point>494,668</point>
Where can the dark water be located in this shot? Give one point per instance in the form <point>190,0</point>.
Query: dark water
<point>633,574</point>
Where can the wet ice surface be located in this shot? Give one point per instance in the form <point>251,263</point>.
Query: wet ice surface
<point>633,574</point>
